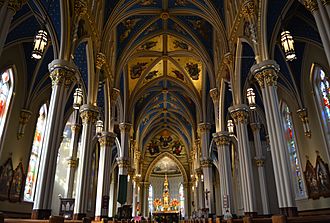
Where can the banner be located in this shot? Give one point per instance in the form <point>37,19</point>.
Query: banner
<point>122,189</point>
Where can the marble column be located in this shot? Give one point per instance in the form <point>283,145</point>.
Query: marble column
<point>222,140</point>
<point>260,160</point>
<point>136,195</point>
<point>62,75</point>
<point>7,11</point>
<point>88,114</point>
<point>266,75</point>
<point>125,139</point>
<point>113,194</point>
<point>130,187</point>
<point>72,159</point>
<point>240,115</point>
<point>106,141</point>
<point>312,6</point>
<point>145,199</point>
<point>206,165</point>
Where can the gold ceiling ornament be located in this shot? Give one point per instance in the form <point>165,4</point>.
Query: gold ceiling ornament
<point>164,15</point>
<point>125,127</point>
<point>240,114</point>
<point>100,60</point>
<point>221,139</point>
<point>80,7</point>
<point>311,5</point>
<point>16,4</point>
<point>248,8</point>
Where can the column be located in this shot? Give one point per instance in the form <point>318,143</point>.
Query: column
<point>88,114</point>
<point>222,140</point>
<point>326,4</point>
<point>312,6</point>
<point>7,11</point>
<point>260,160</point>
<point>145,199</point>
<point>136,195</point>
<point>72,159</point>
<point>106,141</point>
<point>266,75</point>
<point>123,155</point>
<point>113,195</point>
<point>62,75</point>
<point>130,187</point>
<point>200,190</point>
<point>206,165</point>
<point>240,115</point>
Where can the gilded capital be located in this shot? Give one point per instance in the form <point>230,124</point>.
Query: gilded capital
<point>206,163</point>
<point>61,75</point>
<point>107,139</point>
<point>123,162</point>
<point>80,7</point>
<point>16,4</point>
<point>72,163</point>
<point>75,127</point>
<point>248,8</point>
<point>266,73</point>
<point>203,127</point>
<point>100,60</point>
<point>114,96</point>
<point>239,113</point>
<point>311,5</point>
<point>214,93</point>
<point>228,59</point>
<point>325,2</point>
<point>221,138</point>
<point>260,162</point>
<point>125,127</point>
<point>88,114</point>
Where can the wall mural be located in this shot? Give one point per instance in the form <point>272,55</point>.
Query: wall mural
<point>317,179</point>
<point>165,142</point>
<point>166,165</point>
<point>193,70</point>
<point>137,69</point>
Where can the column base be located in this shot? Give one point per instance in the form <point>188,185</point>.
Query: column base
<point>289,211</point>
<point>78,216</point>
<point>41,214</point>
<point>251,214</point>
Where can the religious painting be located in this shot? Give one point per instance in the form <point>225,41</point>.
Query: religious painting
<point>177,148</point>
<point>153,147</point>
<point>16,188</point>
<point>6,177</point>
<point>193,70</point>
<point>166,165</point>
<point>317,179</point>
<point>137,69</point>
<point>165,141</point>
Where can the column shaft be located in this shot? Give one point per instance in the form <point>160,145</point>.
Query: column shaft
<point>240,115</point>
<point>61,79</point>
<point>106,141</point>
<point>88,115</point>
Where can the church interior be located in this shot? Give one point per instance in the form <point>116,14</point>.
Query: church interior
<point>165,110</point>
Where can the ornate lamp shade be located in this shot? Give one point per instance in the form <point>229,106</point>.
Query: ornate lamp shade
<point>99,127</point>
<point>230,126</point>
<point>288,46</point>
<point>77,98</point>
<point>40,44</point>
<point>251,96</point>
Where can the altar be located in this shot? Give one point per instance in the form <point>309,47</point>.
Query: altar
<point>166,216</point>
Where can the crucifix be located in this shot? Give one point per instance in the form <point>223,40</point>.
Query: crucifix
<point>206,192</point>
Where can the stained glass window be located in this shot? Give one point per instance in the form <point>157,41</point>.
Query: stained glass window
<point>6,92</point>
<point>324,92</point>
<point>150,199</point>
<point>181,194</point>
<point>31,178</point>
<point>293,152</point>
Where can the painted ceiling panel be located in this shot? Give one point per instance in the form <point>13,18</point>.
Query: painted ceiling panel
<point>28,28</point>
<point>80,60</point>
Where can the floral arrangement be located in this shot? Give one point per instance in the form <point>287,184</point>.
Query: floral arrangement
<point>157,202</point>
<point>174,203</point>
